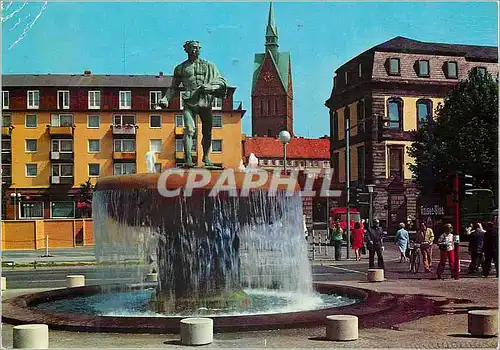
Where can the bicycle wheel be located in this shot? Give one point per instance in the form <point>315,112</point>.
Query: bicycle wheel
<point>416,264</point>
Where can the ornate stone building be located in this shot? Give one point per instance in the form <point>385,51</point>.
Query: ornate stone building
<point>272,92</point>
<point>402,80</point>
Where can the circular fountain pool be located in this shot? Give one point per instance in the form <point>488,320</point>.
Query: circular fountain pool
<point>135,303</point>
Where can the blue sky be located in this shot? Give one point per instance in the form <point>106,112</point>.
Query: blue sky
<point>72,37</point>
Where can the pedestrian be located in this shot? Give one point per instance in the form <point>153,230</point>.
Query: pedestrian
<point>490,248</point>
<point>374,240</point>
<point>446,249</point>
<point>358,237</point>
<point>476,239</point>
<point>425,237</point>
<point>402,238</point>
<point>336,239</point>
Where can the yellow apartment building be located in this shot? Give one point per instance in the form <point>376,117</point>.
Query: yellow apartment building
<point>58,131</point>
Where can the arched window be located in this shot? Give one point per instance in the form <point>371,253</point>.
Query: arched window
<point>269,107</point>
<point>360,111</point>
<point>424,112</point>
<point>395,113</point>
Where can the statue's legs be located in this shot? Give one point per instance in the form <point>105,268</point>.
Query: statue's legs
<point>206,130</point>
<point>189,130</point>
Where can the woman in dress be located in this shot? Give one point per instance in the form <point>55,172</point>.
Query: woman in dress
<point>358,237</point>
<point>402,238</point>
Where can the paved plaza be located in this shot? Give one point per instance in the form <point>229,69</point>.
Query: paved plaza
<point>443,327</point>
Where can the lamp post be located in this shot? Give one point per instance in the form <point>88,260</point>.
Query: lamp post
<point>285,138</point>
<point>14,196</point>
<point>347,182</point>
<point>370,213</point>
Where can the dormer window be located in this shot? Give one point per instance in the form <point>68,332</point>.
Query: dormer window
<point>346,77</point>
<point>423,68</point>
<point>394,66</point>
<point>451,69</point>
<point>360,70</point>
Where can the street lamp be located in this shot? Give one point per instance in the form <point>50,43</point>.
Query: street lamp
<point>285,138</point>
<point>15,195</point>
<point>370,215</point>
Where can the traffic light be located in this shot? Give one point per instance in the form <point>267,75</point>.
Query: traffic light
<point>465,185</point>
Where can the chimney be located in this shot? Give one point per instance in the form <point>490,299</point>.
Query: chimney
<point>160,74</point>
<point>87,72</point>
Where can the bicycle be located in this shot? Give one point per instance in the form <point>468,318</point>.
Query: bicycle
<point>414,257</point>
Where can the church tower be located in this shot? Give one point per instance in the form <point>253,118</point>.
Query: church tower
<point>272,93</point>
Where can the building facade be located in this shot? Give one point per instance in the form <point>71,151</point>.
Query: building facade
<point>302,154</point>
<point>272,91</point>
<point>58,131</point>
<point>402,81</point>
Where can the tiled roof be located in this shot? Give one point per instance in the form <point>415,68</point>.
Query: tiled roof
<point>298,148</point>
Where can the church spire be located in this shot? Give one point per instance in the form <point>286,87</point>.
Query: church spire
<point>271,31</point>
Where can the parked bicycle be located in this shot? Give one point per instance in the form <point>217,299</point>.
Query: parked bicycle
<point>415,258</point>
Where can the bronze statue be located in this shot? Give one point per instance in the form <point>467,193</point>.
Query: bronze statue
<point>202,82</point>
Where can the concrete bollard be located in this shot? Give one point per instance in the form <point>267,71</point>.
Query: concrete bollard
<point>375,275</point>
<point>4,283</point>
<point>483,322</point>
<point>197,331</point>
<point>341,327</point>
<point>152,277</point>
<point>31,336</point>
<point>75,281</point>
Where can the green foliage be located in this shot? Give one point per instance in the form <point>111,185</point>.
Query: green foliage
<point>84,198</point>
<point>463,137</point>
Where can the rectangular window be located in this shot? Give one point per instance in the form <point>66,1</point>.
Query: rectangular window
<point>63,146</point>
<point>336,165</point>
<point>179,121</point>
<point>33,99</point>
<point>31,170</point>
<point>217,121</point>
<point>31,146</point>
<point>423,112</point>
<point>94,169</point>
<point>124,120</point>
<point>481,71</point>
<point>361,117</point>
<point>336,126</point>
<point>155,146</point>
<point>93,121</point>
<point>62,210</point>
<point>124,145</point>
<point>217,103</point>
<point>94,146</point>
<point>62,99</point>
<point>155,121</point>
<point>154,97</point>
<point>179,145</point>
<point>125,99</point>
<point>361,163</point>
<point>31,210</point>
<point>451,69</point>
<point>6,170</point>
<point>57,120</point>
<point>423,68</point>
<point>396,162</point>
<point>6,145</point>
<point>346,77</point>
<point>216,146</point>
<point>5,99</point>
<point>6,120</point>
<point>124,168</point>
<point>62,170</point>
<point>158,167</point>
<point>360,70</point>
<point>94,99</point>
<point>394,68</point>
<point>395,113</point>
<point>31,121</point>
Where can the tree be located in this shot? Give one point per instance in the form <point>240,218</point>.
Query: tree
<point>463,137</point>
<point>84,199</point>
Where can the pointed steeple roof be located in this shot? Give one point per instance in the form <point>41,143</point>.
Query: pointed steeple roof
<point>271,29</point>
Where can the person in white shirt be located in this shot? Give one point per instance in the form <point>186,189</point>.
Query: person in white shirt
<point>447,251</point>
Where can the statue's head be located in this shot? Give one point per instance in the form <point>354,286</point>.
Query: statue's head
<point>192,47</point>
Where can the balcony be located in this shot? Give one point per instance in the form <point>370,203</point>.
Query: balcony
<point>61,180</point>
<point>180,154</point>
<point>6,157</point>
<point>179,130</point>
<point>7,130</point>
<point>61,130</point>
<point>124,155</point>
<point>62,156</point>
<point>6,180</point>
<point>126,129</point>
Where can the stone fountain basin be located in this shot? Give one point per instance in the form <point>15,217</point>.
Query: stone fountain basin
<point>22,310</point>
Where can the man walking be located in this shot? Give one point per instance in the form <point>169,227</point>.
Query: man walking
<point>425,237</point>
<point>374,242</point>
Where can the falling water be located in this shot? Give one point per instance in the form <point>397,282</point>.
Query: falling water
<point>205,246</point>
